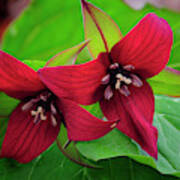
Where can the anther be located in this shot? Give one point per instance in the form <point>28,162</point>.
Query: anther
<point>43,117</point>
<point>127,80</point>
<point>53,120</point>
<point>114,66</point>
<point>108,93</point>
<point>124,90</point>
<point>105,79</point>
<point>39,114</point>
<point>29,104</point>
<point>118,84</point>
<point>123,78</point>
<point>113,125</point>
<point>44,98</point>
<point>119,76</point>
<point>136,81</point>
<point>53,109</point>
<point>128,67</point>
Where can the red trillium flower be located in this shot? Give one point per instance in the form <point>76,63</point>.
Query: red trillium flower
<point>34,124</point>
<point>117,79</point>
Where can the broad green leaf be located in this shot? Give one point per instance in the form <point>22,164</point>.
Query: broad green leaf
<point>117,144</point>
<point>54,165</point>
<point>113,144</point>
<point>7,105</point>
<point>68,56</point>
<point>166,82</point>
<point>100,29</point>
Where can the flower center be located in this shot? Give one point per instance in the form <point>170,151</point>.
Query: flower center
<point>43,105</point>
<point>119,78</point>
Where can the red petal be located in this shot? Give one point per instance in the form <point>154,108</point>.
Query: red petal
<point>146,47</point>
<point>135,113</point>
<point>25,140</point>
<point>80,83</point>
<point>17,79</point>
<point>81,125</point>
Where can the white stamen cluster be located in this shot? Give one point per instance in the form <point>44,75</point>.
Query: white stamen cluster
<point>40,113</point>
<point>122,77</point>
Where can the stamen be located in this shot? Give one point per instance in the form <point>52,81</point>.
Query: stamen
<point>105,79</point>
<point>33,113</point>
<point>114,66</point>
<point>124,90</point>
<point>44,98</point>
<point>53,120</point>
<point>43,117</point>
<point>118,84</point>
<point>36,119</point>
<point>128,67</point>
<point>108,93</point>
<point>29,104</point>
<point>113,125</point>
<point>53,109</point>
<point>120,76</point>
<point>123,78</point>
<point>136,81</point>
<point>39,114</point>
<point>127,80</point>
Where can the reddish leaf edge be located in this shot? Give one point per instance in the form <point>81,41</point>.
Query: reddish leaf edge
<point>172,70</point>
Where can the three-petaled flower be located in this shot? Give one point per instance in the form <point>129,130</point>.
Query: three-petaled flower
<point>117,78</point>
<point>35,123</point>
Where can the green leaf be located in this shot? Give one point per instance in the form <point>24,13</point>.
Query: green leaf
<point>117,144</point>
<point>166,82</point>
<point>100,29</point>
<point>94,109</point>
<point>68,56</point>
<point>3,127</point>
<point>7,105</point>
<point>53,165</point>
<point>113,144</point>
